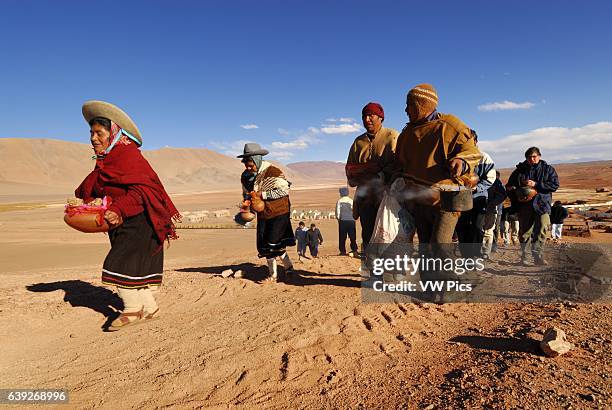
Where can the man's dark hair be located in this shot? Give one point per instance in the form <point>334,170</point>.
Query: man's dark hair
<point>474,135</point>
<point>302,223</point>
<point>105,122</point>
<point>531,151</point>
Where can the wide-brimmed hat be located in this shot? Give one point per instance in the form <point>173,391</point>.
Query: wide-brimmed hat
<point>94,108</point>
<point>252,148</point>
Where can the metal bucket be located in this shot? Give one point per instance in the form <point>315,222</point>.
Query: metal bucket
<point>458,200</point>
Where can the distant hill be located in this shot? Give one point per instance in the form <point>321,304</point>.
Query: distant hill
<point>585,175</point>
<point>321,170</point>
<point>47,166</point>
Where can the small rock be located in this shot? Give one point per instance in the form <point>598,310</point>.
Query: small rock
<point>239,273</point>
<point>227,273</point>
<point>430,407</point>
<point>72,335</point>
<point>555,343</point>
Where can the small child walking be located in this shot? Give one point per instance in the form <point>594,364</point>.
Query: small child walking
<point>314,239</point>
<point>300,234</point>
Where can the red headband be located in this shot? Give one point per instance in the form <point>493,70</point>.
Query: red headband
<point>373,108</point>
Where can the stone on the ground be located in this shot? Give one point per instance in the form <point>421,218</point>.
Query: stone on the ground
<point>555,342</point>
<point>227,273</point>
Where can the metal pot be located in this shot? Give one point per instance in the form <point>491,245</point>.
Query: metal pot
<point>456,200</point>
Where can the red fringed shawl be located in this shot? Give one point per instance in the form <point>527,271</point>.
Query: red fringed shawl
<point>125,167</point>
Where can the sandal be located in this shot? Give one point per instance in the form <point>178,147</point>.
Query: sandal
<point>151,316</point>
<point>272,278</point>
<point>124,320</point>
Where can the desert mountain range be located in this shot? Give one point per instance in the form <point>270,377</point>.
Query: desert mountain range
<point>48,166</point>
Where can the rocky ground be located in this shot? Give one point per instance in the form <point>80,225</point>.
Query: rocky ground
<point>310,342</point>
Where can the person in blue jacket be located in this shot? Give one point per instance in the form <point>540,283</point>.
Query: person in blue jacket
<point>534,214</point>
<point>314,239</point>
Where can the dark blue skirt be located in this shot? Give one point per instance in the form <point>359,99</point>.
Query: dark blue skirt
<point>274,235</point>
<point>136,258</point>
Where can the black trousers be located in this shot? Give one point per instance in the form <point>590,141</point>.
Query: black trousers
<point>367,216</point>
<point>470,229</point>
<point>314,249</point>
<point>347,228</point>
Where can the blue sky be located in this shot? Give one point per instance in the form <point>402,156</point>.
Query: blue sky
<point>192,74</point>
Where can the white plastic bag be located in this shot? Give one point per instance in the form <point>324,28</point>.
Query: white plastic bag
<point>387,226</point>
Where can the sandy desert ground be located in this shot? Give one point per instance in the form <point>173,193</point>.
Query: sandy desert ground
<point>310,342</point>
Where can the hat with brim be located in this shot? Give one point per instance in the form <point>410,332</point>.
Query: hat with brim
<point>252,148</point>
<point>93,109</point>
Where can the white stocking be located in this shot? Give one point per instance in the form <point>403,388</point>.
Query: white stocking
<point>272,267</point>
<point>148,300</point>
<point>131,300</point>
<point>286,261</point>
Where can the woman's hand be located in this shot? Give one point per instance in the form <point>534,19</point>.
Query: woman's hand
<point>112,218</point>
<point>257,204</point>
<point>246,204</point>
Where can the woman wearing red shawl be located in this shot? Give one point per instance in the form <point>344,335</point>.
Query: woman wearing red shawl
<point>141,213</point>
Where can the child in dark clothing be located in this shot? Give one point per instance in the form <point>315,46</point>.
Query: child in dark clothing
<point>300,235</point>
<point>314,239</point>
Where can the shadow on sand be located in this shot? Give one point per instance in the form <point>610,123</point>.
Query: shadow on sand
<point>79,293</point>
<point>259,273</point>
<point>499,344</point>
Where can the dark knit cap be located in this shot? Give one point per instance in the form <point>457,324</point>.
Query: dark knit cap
<point>373,108</point>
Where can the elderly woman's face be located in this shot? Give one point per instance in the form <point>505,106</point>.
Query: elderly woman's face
<point>250,166</point>
<point>100,138</point>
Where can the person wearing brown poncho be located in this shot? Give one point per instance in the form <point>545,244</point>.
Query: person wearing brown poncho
<point>141,213</point>
<point>435,152</point>
<point>368,167</point>
<point>267,189</point>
